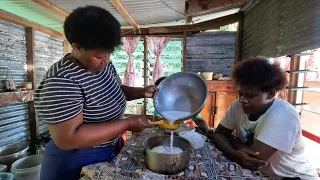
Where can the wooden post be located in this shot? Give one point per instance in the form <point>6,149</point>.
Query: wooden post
<point>184,49</point>
<point>293,80</point>
<point>145,71</point>
<point>238,39</point>
<point>31,56</point>
<point>33,118</point>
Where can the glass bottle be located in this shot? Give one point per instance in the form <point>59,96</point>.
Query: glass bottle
<point>10,85</point>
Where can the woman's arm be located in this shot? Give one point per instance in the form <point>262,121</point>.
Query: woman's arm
<point>74,134</point>
<point>221,138</point>
<point>202,124</point>
<point>133,93</point>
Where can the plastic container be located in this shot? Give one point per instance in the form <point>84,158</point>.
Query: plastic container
<point>6,176</point>
<point>3,168</point>
<point>13,152</point>
<point>27,168</point>
<point>196,140</point>
<point>207,75</point>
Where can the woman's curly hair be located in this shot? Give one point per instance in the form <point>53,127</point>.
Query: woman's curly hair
<point>93,27</point>
<point>259,72</point>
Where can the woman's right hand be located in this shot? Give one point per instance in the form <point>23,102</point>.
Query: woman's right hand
<point>138,123</point>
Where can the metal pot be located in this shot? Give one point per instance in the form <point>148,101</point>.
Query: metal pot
<point>167,163</point>
<point>11,153</point>
<point>183,91</point>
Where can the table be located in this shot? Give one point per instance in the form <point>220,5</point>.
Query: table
<point>205,163</point>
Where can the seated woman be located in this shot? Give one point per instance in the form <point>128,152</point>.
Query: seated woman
<point>268,130</point>
<point>197,119</point>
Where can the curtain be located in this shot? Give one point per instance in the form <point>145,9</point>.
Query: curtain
<point>130,44</point>
<point>156,45</point>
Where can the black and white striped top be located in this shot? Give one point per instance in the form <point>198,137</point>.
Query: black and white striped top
<point>67,89</point>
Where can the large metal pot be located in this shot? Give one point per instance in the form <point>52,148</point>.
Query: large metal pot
<point>183,91</point>
<point>11,153</point>
<point>167,163</point>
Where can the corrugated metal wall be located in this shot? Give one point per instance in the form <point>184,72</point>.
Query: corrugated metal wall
<point>13,53</point>
<point>14,119</point>
<point>48,50</point>
<point>211,52</point>
<point>275,28</point>
<point>14,124</point>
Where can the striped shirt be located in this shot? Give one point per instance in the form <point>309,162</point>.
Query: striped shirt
<point>67,89</point>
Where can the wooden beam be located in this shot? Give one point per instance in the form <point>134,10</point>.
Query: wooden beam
<point>135,31</point>
<point>23,22</point>
<point>30,41</point>
<point>184,49</point>
<point>117,4</point>
<point>145,71</point>
<point>293,78</point>
<point>33,123</point>
<point>196,7</point>
<point>238,39</point>
<point>51,7</point>
<point>207,25</point>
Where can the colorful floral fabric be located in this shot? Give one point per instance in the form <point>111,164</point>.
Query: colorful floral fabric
<point>156,45</point>
<point>130,44</point>
<point>205,163</point>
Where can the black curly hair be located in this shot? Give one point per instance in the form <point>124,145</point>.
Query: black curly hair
<point>93,27</point>
<point>260,73</point>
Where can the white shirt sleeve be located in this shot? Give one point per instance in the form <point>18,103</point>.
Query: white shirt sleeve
<point>229,121</point>
<point>279,128</point>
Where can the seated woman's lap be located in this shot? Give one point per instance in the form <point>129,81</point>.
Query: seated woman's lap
<point>59,164</point>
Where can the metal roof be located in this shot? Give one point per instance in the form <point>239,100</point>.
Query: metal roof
<point>69,5</point>
<point>31,11</point>
<point>155,11</point>
<point>146,13</point>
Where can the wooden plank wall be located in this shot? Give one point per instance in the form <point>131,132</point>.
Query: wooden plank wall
<point>211,52</point>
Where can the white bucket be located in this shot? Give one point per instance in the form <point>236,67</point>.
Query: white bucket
<point>27,168</point>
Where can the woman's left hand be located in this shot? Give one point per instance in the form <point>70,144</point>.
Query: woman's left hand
<point>149,91</point>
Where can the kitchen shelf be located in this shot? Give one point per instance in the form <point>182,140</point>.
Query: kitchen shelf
<point>301,71</point>
<point>304,54</point>
<point>309,108</point>
<point>306,88</point>
<point>15,97</point>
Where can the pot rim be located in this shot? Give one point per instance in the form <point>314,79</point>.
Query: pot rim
<point>199,109</point>
<point>146,149</point>
<point>24,148</point>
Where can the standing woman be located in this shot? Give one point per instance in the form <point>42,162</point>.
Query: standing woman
<point>82,100</point>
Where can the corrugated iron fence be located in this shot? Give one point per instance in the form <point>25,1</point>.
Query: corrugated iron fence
<point>48,50</point>
<point>14,119</point>
<point>275,28</point>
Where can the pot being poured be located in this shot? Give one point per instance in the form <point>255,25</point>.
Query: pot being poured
<point>167,163</point>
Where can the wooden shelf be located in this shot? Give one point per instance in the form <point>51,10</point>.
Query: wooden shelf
<point>307,89</point>
<point>309,108</point>
<point>301,71</point>
<point>15,97</point>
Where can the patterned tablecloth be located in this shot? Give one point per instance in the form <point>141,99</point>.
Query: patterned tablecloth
<point>205,163</point>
